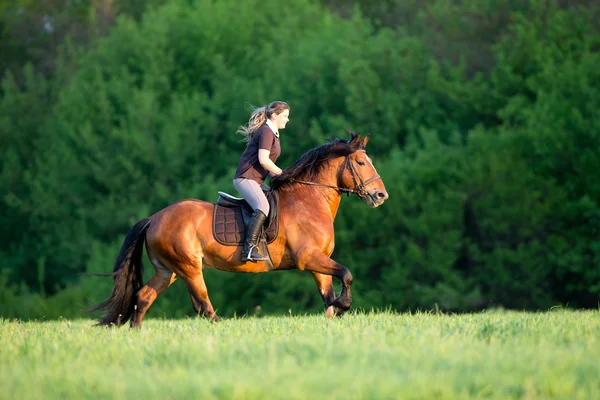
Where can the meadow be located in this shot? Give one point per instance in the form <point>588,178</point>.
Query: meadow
<point>377,355</point>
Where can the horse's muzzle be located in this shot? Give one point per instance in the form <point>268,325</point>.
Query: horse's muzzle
<point>376,197</point>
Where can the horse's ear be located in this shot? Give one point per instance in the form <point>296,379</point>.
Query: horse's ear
<point>353,135</point>
<point>365,140</point>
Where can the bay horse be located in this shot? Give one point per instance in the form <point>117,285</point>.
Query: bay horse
<point>180,241</point>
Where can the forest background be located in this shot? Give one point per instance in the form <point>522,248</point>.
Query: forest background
<point>484,119</point>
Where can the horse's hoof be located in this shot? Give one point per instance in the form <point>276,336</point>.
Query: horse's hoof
<point>332,312</point>
<point>342,304</point>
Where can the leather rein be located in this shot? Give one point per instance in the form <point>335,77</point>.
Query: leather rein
<point>359,189</point>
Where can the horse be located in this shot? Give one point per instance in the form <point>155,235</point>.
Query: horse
<point>180,241</point>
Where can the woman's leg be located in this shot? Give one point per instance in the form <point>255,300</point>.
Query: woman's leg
<point>253,194</point>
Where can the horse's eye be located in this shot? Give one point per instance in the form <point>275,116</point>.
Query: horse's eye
<point>361,163</point>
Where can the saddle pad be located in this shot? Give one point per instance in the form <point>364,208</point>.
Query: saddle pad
<point>229,228</point>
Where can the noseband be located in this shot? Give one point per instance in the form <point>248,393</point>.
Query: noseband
<point>359,187</point>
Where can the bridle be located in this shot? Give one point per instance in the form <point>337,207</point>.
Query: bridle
<point>359,188</point>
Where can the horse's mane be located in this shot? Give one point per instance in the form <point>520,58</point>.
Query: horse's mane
<point>311,163</point>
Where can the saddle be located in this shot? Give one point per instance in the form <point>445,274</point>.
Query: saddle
<point>232,214</point>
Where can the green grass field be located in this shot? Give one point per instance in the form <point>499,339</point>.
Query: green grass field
<point>498,354</point>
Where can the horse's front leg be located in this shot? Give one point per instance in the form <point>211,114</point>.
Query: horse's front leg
<point>319,263</point>
<point>325,286</point>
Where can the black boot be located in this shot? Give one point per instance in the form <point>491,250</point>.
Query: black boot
<point>250,252</point>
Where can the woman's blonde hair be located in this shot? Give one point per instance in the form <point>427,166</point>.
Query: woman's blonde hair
<point>259,117</point>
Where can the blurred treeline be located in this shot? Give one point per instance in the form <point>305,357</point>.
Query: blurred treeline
<point>484,119</point>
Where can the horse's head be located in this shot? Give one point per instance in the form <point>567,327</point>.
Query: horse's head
<point>360,176</point>
<point>355,171</point>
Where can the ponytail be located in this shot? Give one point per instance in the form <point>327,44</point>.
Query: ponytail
<point>259,118</point>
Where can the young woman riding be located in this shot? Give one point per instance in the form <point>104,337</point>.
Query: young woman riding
<point>256,163</point>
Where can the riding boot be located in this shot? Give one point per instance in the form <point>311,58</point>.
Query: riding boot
<point>250,252</point>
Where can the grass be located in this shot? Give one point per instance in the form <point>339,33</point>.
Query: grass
<point>501,355</point>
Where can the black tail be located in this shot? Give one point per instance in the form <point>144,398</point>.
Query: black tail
<point>127,275</point>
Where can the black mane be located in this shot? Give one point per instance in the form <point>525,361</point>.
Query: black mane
<point>311,163</point>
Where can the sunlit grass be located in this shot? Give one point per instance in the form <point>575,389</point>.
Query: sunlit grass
<point>373,355</point>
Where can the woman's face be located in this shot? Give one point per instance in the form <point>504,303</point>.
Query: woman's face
<point>281,119</point>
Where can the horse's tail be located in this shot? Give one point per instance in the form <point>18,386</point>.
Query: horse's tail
<point>127,275</point>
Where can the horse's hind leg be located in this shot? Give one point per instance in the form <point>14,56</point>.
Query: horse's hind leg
<point>199,296</point>
<point>161,280</point>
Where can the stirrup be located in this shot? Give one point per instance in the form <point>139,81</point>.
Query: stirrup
<point>248,256</point>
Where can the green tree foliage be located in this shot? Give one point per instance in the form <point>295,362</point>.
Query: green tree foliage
<point>554,118</point>
<point>484,122</point>
<point>509,218</point>
<point>34,31</point>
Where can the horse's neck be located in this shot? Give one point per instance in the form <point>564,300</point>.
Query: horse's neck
<point>320,200</point>
<point>323,200</point>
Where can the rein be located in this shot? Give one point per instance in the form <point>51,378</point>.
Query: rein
<point>359,189</point>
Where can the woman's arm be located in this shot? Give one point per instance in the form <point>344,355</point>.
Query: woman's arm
<point>265,161</point>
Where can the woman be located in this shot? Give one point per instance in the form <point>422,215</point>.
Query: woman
<point>256,163</point>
